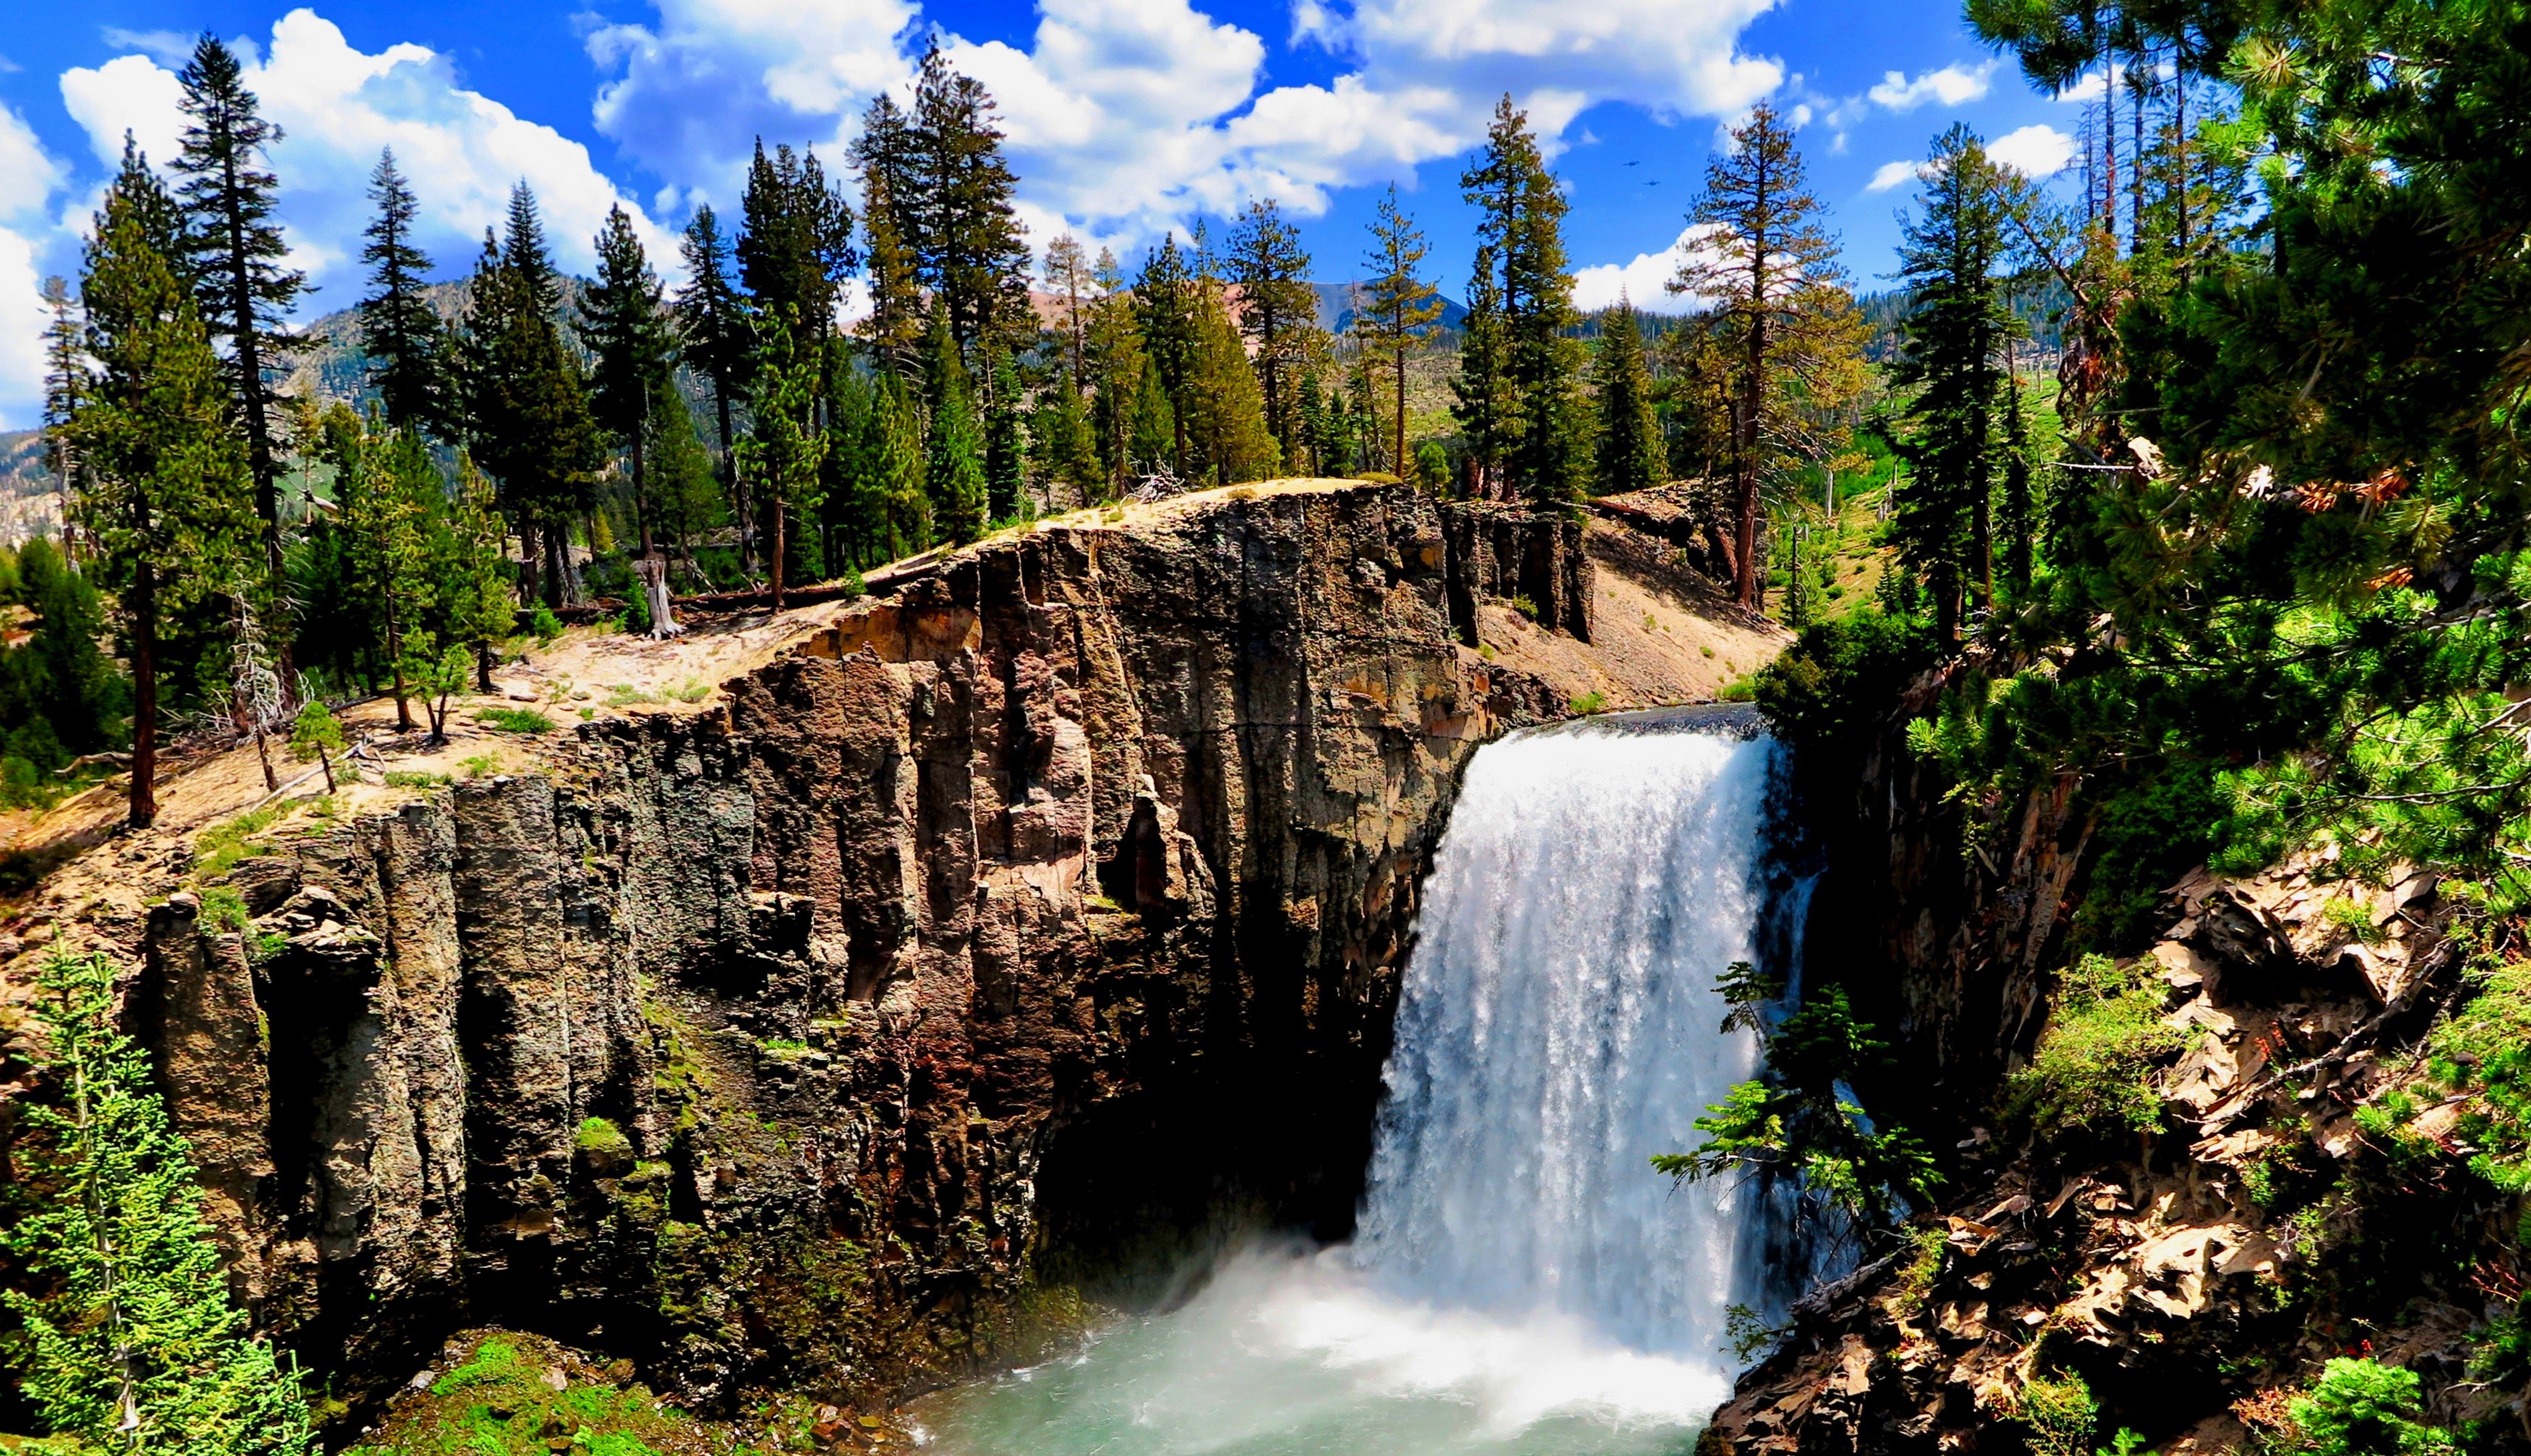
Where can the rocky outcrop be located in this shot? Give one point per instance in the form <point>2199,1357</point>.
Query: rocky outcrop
<point>1060,896</point>
<point>1515,553</point>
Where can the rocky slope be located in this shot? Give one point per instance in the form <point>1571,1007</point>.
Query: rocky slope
<point>2282,1178</point>
<point>1000,930</point>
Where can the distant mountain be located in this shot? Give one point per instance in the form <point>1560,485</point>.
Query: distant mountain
<point>1336,307</point>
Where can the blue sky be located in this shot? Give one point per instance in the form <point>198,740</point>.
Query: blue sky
<point>1127,117</point>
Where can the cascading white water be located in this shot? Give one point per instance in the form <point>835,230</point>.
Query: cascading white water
<point>1521,1281</point>
<point>1559,1026</point>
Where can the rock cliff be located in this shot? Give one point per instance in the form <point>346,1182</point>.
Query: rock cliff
<point>1055,899</point>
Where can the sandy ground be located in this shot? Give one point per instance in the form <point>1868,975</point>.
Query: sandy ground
<point>1647,648</point>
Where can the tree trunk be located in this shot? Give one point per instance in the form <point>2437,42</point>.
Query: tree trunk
<point>778,553</point>
<point>1401,402</point>
<point>531,562</point>
<point>264,754</point>
<point>395,668</point>
<point>145,696</point>
<point>325,761</point>
<point>483,668</point>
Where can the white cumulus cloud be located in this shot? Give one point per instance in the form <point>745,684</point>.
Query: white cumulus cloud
<point>338,107</point>
<point>1953,86</point>
<point>1643,282</point>
<point>27,177</point>
<point>2037,151</point>
<point>1893,174</point>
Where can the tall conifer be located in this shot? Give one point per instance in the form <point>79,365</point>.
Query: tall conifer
<point>400,332</point>
<point>1397,307</point>
<point>1628,455</point>
<point>1277,308</point>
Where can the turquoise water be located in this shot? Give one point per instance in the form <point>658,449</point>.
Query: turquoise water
<point>1284,1354</point>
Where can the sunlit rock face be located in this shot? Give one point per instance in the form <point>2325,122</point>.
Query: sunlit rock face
<point>1025,920</point>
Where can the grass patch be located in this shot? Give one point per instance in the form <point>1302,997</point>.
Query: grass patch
<point>516,719</point>
<point>481,764</point>
<point>218,850</point>
<point>2094,1067</point>
<point>625,695</point>
<point>1589,703</point>
<point>405,779</point>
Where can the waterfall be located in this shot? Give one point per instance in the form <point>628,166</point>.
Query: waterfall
<point>1558,1026</point>
<point>1521,1282</point>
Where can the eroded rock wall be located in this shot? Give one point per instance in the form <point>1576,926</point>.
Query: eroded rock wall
<point>1058,896</point>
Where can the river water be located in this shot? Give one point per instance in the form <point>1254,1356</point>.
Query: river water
<point>1520,1282</point>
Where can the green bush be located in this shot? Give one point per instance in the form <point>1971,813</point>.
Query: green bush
<point>1525,606</point>
<point>544,626</point>
<point>2486,1048</point>
<point>2061,1414</point>
<point>2362,1409</point>
<point>1590,703</point>
<point>2093,1067</point>
<point>218,850</point>
<point>516,719</point>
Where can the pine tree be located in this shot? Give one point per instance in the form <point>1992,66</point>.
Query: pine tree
<point>1277,308</point>
<point>785,453</point>
<point>243,293</point>
<point>625,326</point>
<point>1526,403</point>
<point>1114,352</point>
<point>138,1348</point>
<point>64,385</point>
<point>1164,315</point>
<point>844,532</point>
<point>903,505</point>
<point>530,423</point>
<point>166,496</point>
<point>1068,274</point>
<point>953,463</point>
<point>715,342</point>
<point>1154,426</point>
<point>795,248</point>
<point>1952,341</point>
<point>885,154</point>
<point>1398,307</point>
<point>1224,414</point>
<point>1482,389</point>
<point>477,607</point>
<point>969,249</point>
<point>385,507</point>
<point>1769,270</point>
<point>1629,453</point>
<point>399,330</point>
<point>1004,445</point>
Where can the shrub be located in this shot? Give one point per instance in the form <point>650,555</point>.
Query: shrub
<point>544,626</point>
<point>2487,1048</point>
<point>2061,1414</point>
<point>1526,607</point>
<point>2093,1067</point>
<point>218,850</point>
<point>516,719</point>
<point>2358,1407</point>
<point>1590,703</point>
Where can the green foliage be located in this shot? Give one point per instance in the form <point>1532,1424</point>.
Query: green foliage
<point>137,1333</point>
<point>516,719</point>
<point>1917,1275</point>
<point>218,850</point>
<point>1796,1121</point>
<point>317,731</point>
<point>1523,604</point>
<point>2093,1067</point>
<point>2061,1414</point>
<point>1586,704</point>
<point>1746,1333</point>
<point>2486,1048</point>
<point>2359,1408</point>
<point>544,626</point>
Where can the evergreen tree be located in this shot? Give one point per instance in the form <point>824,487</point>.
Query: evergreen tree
<point>1164,316</point>
<point>1004,445</point>
<point>903,506</point>
<point>1770,271</point>
<point>885,154</point>
<point>477,607</point>
<point>75,690</point>
<point>528,418</point>
<point>243,293</point>
<point>1069,276</point>
<point>969,249</point>
<point>1482,389</point>
<point>953,463</point>
<point>1629,453</point>
<point>1113,353</point>
<point>385,505</point>
<point>714,340</point>
<point>138,1348</point>
<point>1224,414</point>
<point>1154,428</point>
<point>625,326</point>
<point>1953,343</point>
<point>400,332</point>
<point>1526,403</point>
<point>795,248</point>
<point>845,529</point>
<point>785,453</point>
<point>1277,309</point>
<point>684,490</point>
<point>64,385</point>
<point>166,497</point>
<point>1398,307</point>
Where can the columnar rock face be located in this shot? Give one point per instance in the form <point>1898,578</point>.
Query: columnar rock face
<point>1058,897</point>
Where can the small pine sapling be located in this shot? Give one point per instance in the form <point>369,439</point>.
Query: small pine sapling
<point>317,735</point>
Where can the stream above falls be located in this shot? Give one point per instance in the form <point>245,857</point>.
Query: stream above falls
<point>1520,1279</point>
